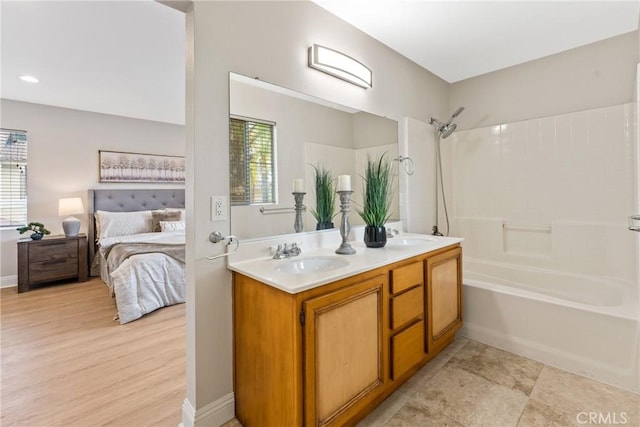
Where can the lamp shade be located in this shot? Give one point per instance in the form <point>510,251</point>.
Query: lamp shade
<point>70,206</point>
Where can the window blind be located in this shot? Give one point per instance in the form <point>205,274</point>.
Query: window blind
<point>252,159</point>
<point>13,177</point>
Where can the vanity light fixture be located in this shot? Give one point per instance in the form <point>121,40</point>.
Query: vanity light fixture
<point>29,79</point>
<point>339,65</point>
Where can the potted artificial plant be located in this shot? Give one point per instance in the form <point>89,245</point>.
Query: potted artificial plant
<point>325,198</point>
<point>376,202</point>
<point>38,230</point>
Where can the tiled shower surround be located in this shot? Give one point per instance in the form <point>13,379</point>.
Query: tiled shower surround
<point>554,192</point>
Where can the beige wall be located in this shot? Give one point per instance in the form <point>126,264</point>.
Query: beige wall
<point>278,35</point>
<point>596,75</point>
<point>63,158</point>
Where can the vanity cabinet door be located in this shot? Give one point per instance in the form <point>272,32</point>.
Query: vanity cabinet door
<point>407,349</point>
<point>444,297</point>
<point>343,352</point>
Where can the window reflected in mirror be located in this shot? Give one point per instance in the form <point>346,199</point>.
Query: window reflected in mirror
<point>251,161</point>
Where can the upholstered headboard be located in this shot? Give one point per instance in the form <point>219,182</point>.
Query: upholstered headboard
<point>129,200</point>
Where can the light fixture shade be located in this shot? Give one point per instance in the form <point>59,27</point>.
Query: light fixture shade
<point>70,206</point>
<point>339,65</point>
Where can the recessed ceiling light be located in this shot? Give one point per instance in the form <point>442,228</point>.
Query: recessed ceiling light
<point>29,79</point>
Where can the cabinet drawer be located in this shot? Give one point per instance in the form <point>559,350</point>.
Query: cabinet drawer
<point>406,307</point>
<point>407,349</point>
<point>46,271</point>
<point>406,277</point>
<point>53,251</point>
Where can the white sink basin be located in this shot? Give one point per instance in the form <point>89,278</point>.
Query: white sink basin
<point>409,241</point>
<point>312,265</point>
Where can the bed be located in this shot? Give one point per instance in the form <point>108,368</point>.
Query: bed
<point>137,248</point>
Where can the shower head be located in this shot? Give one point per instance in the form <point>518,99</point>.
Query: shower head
<point>446,129</point>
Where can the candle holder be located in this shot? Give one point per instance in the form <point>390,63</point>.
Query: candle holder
<point>345,248</point>
<point>299,207</point>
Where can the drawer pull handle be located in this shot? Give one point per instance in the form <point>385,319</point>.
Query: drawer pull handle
<point>54,262</point>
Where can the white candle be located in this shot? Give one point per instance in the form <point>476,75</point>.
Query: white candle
<point>344,182</point>
<point>298,185</point>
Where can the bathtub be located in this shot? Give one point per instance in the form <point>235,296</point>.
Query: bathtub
<point>582,324</point>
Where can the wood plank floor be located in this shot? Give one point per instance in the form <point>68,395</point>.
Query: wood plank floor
<point>65,362</point>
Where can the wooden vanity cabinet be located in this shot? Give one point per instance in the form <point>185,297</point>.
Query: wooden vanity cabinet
<point>328,356</point>
<point>315,358</point>
<point>444,298</point>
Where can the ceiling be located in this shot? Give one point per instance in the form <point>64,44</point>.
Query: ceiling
<point>457,40</point>
<point>118,57</point>
<point>127,57</point>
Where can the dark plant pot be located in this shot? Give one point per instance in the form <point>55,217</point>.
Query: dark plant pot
<point>375,237</point>
<point>37,236</point>
<point>324,225</point>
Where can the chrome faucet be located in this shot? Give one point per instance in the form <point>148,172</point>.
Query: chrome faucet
<point>287,251</point>
<point>392,232</point>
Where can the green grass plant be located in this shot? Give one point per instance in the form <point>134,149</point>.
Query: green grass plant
<point>377,189</point>
<point>325,195</point>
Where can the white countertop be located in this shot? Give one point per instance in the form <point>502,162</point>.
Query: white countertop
<point>255,259</point>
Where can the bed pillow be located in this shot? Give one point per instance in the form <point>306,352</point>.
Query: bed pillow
<point>113,224</point>
<point>181,210</point>
<point>171,226</point>
<point>165,215</point>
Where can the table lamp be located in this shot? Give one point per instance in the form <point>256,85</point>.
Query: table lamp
<point>70,206</point>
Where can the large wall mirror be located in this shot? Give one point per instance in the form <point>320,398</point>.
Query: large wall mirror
<point>305,131</point>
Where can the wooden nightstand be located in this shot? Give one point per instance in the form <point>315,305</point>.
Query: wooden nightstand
<point>51,259</point>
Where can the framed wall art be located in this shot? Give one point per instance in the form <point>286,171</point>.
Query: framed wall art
<point>116,166</point>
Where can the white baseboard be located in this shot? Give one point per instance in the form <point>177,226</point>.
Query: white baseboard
<point>214,414</point>
<point>8,281</point>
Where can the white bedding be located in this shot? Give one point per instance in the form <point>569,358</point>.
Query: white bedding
<point>144,282</point>
<point>169,237</point>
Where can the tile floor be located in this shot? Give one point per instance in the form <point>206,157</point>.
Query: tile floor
<point>472,384</point>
